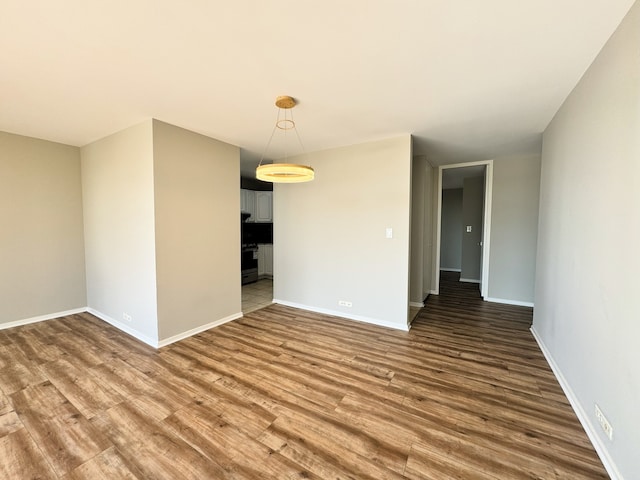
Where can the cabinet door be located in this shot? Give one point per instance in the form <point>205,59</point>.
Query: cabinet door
<point>268,259</point>
<point>264,207</point>
<point>261,260</point>
<point>251,204</point>
<point>243,200</point>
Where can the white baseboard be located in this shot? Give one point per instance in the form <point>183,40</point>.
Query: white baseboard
<point>122,326</point>
<point>41,318</point>
<point>125,328</point>
<point>509,302</point>
<point>442,269</point>
<point>469,280</point>
<point>589,428</point>
<point>161,343</point>
<point>359,318</point>
<point>433,292</point>
<point>195,331</point>
<point>416,304</point>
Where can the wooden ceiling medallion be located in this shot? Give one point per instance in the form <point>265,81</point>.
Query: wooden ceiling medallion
<point>285,101</point>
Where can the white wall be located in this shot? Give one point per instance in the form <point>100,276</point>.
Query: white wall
<point>329,234</point>
<point>587,315</point>
<point>117,187</point>
<point>197,227</point>
<point>514,229</point>
<point>41,239</point>
<point>451,225</point>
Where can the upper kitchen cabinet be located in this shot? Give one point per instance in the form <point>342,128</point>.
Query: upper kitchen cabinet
<point>248,203</point>
<point>258,204</point>
<point>264,207</point>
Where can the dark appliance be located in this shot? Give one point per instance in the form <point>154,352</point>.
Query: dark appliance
<point>254,233</point>
<point>249,264</point>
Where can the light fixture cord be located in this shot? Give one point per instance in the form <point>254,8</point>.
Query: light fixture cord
<point>264,152</point>
<point>295,127</point>
<point>286,144</point>
<point>273,131</point>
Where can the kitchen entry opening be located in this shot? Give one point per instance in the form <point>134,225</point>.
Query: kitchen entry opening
<point>463,223</point>
<point>256,229</point>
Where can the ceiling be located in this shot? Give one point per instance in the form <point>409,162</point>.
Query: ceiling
<point>469,80</point>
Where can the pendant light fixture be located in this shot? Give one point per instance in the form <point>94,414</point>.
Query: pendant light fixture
<point>284,172</point>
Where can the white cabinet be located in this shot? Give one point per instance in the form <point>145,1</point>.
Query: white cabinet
<point>248,203</point>
<point>261,264</point>
<point>258,204</point>
<point>243,200</point>
<point>264,207</point>
<point>268,259</point>
<point>265,259</point>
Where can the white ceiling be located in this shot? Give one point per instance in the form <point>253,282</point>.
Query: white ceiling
<point>470,80</point>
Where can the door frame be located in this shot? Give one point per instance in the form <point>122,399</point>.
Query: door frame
<point>486,228</point>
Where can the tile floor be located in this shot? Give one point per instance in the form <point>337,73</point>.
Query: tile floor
<point>257,295</point>
<point>413,313</point>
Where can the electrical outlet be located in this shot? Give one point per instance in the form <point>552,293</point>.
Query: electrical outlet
<point>344,303</point>
<point>604,423</point>
<point>126,317</point>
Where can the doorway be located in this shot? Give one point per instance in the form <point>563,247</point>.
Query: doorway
<point>470,233</point>
<point>256,232</point>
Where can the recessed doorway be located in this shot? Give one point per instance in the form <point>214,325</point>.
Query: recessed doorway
<point>462,244</point>
<point>256,231</point>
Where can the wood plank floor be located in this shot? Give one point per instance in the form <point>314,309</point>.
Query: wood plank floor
<point>284,393</point>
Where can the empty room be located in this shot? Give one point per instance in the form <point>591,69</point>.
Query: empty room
<point>355,240</point>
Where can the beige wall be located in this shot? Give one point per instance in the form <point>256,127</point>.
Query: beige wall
<point>329,234</point>
<point>41,244</point>
<point>430,230</point>
<point>117,183</point>
<point>514,228</point>
<point>435,230</point>
<point>421,227</point>
<point>587,314</point>
<point>197,227</point>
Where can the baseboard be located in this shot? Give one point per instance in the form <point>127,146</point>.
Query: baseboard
<point>588,427</point>
<point>358,318</point>
<point>121,326</point>
<point>469,280</point>
<point>195,331</point>
<point>509,302</point>
<point>416,304</point>
<point>450,269</point>
<point>433,292</point>
<point>41,318</point>
<point>125,328</point>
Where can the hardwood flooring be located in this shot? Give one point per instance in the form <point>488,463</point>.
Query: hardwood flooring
<point>284,393</point>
